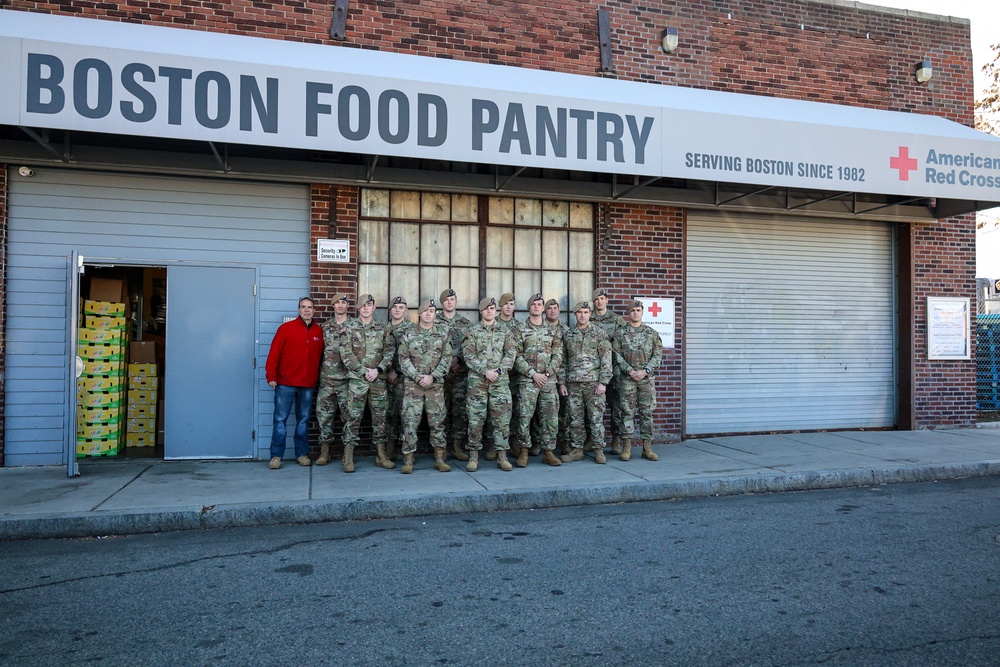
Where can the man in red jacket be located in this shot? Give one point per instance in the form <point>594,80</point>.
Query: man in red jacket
<point>292,371</point>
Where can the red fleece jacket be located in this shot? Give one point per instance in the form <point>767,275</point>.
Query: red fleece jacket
<point>296,353</point>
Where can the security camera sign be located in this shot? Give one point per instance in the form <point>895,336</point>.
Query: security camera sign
<point>333,250</point>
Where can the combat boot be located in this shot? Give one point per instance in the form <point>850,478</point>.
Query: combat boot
<point>599,456</point>
<point>647,451</point>
<point>550,458</point>
<point>390,451</point>
<point>616,445</point>
<point>324,455</point>
<point>381,459</point>
<point>347,463</point>
<point>456,451</point>
<point>575,454</point>
<point>407,464</point>
<point>626,451</point>
<point>473,464</point>
<point>522,458</point>
<point>439,464</point>
<point>536,450</point>
<point>491,455</point>
<point>502,461</point>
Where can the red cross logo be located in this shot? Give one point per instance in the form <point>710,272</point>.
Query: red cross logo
<point>904,163</point>
<point>655,309</point>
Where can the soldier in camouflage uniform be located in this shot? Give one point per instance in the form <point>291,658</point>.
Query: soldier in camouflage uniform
<point>584,380</point>
<point>489,354</point>
<point>455,385</point>
<point>506,306</point>
<point>637,349</point>
<point>333,392</point>
<point>539,358</point>
<point>366,350</point>
<point>424,357</point>
<point>399,324</point>
<point>610,323</point>
<point>552,312</point>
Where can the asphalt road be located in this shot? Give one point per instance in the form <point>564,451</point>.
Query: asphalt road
<point>893,575</point>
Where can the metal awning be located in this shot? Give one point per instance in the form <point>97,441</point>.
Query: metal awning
<point>244,107</point>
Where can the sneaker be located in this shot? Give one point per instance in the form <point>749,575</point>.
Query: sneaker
<point>275,463</point>
<point>304,461</point>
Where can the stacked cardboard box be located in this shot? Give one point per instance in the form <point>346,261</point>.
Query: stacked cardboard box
<point>101,386</point>
<point>143,391</point>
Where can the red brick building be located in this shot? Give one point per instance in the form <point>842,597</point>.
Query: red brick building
<point>779,182</point>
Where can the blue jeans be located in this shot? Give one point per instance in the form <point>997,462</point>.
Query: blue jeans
<point>284,396</point>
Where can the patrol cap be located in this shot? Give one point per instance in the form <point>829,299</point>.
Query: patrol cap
<point>551,302</point>
<point>537,296</point>
<point>425,304</point>
<point>396,300</point>
<point>339,296</point>
<point>447,293</point>
<point>580,305</point>
<point>365,299</point>
<point>505,298</point>
<point>635,303</point>
<point>599,292</point>
<point>486,303</point>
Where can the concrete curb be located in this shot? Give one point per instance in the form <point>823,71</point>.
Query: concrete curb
<point>94,524</point>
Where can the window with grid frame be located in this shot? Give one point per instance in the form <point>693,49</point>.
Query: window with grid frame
<point>417,244</point>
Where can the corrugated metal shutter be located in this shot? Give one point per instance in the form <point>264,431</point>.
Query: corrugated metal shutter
<point>789,324</point>
<point>147,219</point>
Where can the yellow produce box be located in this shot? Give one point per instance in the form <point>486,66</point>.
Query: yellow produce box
<point>105,322</point>
<point>141,370</point>
<point>143,382</point>
<point>101,383</point>
<point>92,367</point>
<point>141,411</point>
<point>141,439</point>
<point>98,431</point>
<point>100,335</point>
<point>103,308</point>
<point>100,399</point>
<point>142,396</point>
<point>143,425</point>
<point>101,351</point>
<point>98,447</point>
<point>98,415</point>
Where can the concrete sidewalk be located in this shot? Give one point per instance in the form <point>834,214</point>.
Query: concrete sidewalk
<point>138,496</point>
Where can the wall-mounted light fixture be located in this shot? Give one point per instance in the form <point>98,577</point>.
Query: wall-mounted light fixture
<point>668,40</point>
<point>923,71</point>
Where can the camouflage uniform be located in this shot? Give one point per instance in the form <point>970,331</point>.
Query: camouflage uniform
<point>424,352</point>
<point>562,433</point>
<point>333,377</point>
<point>511,326</point>
<point>588,363</point>
<point>539,350</point>
<point>394,411</point>
<point>487,348</point>
<point>455,384</point>
<point>610,323</point>
<point>638,348</point>
<point>364,346</point>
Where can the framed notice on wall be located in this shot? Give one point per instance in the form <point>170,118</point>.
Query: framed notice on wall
<point>948,328</point>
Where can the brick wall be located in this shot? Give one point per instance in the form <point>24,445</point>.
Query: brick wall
<point>334,215</point>
<point>944,265</point>
<point>641,254</point>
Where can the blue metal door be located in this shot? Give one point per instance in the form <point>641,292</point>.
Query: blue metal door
<point>210,357</point>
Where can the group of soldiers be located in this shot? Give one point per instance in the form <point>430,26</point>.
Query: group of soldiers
<point>527,387</point>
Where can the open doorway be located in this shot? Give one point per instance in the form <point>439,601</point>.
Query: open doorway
<point>121,355</point>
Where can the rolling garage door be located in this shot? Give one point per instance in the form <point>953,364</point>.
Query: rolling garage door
<point>139,219</point>
<point>789,324</point>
